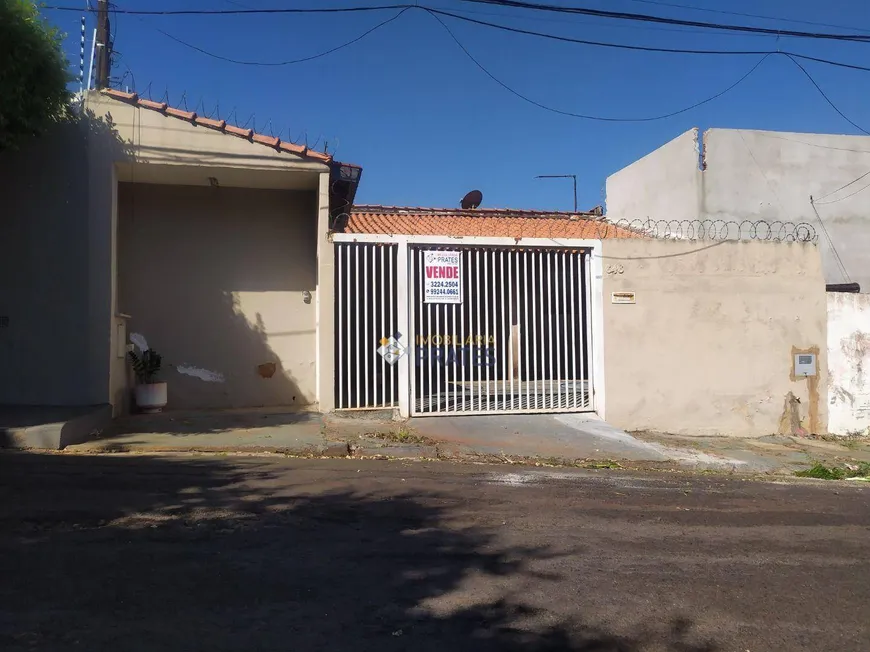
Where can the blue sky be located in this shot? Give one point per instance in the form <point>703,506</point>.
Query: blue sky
<point>427,125</point>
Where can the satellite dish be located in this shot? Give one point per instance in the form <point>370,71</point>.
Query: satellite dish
<point>472,199</point>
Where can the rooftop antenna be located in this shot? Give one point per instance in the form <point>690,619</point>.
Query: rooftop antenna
<point>472,200</point>
<point>562,176</point>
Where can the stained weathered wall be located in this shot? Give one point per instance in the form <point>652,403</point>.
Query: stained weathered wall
<point>707,348</point>
<point>760,175</point>
<point>849,363</point>
<point>214,279</point>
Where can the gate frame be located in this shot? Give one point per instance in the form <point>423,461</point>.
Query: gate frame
<point>403,288</point>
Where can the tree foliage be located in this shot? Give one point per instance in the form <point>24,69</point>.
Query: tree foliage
<point>33,73</point>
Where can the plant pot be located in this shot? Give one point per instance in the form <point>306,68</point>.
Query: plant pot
<point>151,397</point>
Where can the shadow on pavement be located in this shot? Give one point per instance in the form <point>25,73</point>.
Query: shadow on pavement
<point>145,553</point>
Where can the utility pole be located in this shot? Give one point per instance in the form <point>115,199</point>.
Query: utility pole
<point>104,47</point>
<point>562,176</point>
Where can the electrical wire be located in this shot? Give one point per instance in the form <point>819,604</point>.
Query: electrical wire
<point>745,15</point>
<point>516,4</point>
<point>834,192</point>
<point>641,48</point>
<point>621,15</point>
<point>551,109</point>
<point>852,194</point>
<point>837,258</point>
<point>515,30</point>
<point>594,23</point>
<point>281,63</point>
<point>571,114</point>
<point>236,12</point>
<point>765,134</point>
<point>824,95</point>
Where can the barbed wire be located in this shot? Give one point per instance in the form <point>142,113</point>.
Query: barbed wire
<point>520,224</point>
<point>712,230</point>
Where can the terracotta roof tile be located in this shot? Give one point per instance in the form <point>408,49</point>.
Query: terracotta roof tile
<point>269,141</point>
<point>178,113</point>
<point>208,122</point>
<point>239,131</point>
<point>148,104</point>
<point>293,147</point>
<point>491,222</point>
<point>219,125</point>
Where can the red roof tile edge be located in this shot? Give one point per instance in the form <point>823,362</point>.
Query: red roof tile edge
<point>463,222</point>
<point>219,125</point>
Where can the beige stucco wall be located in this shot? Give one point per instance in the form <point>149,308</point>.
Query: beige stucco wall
<point>58,253</point>
<point>214,279</point>
<point>707,348</point>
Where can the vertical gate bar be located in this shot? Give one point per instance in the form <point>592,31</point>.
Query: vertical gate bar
<point>513,296</point>
<point>340,333</point>
<point>581,325</point>
<point>428,333</point>
<point>575,299</point>
<point>564,329</point>
<point>587,291</point>
<point>485,357</point>
<point>391,328</point>
<point>365,337</point>
<point>382,331</point>
<point>359,335</point>
<point>506,340</point>
<point>348,334</point>
<point>548,257</point>
<point>404,326</point>
<point>525,255</point>
<point>560,327</point>
<point>476,335</point>
<point>535,309</point>
<point>455,309</point>
<point>425,327</point>
<point>438,307</point>
<point>469,395</point>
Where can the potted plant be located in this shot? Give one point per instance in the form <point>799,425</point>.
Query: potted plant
<point>150,393</point>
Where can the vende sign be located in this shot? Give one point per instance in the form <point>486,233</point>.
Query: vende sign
<point>442,277</point>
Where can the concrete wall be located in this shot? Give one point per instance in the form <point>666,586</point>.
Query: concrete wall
<point>665,182</point>
<point>849,363</point>
<point>708,347</point>
<point>759,175</point>
<point>214,279</point>
<point>44,270</point>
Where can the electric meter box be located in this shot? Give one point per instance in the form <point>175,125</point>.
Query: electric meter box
<point>804,364</point>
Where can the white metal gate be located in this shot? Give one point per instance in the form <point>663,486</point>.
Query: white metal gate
<point>365,319</point>
<point>519,339</point>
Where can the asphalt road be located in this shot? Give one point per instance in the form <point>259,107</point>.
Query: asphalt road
<point>217,553</point>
